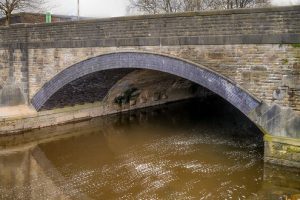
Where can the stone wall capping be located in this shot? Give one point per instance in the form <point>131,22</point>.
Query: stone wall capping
<point>162,41</point>
<point>183,14</point>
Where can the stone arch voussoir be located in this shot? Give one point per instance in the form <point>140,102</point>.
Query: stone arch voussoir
<point>213,81</point>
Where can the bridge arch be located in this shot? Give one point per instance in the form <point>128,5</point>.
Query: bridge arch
<point>196,73</point>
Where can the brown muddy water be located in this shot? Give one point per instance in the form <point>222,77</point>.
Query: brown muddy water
<point>183,150</point>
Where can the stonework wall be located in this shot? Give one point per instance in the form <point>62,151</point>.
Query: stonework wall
<point>269,72</point>
<point>87,89</point>
<point>152,86</point>
<point>4,67</point>
<point>13,77</point>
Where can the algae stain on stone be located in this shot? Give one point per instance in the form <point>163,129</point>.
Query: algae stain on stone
<point>285,61</point>
<point>297,45</point>
<point>293,149</point>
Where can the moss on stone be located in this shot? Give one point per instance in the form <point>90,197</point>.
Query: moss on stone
<point>293,149</point>
<point>267,138</point>
<point>296,45</point>
<point>285,61</point>
<point>126,96</point>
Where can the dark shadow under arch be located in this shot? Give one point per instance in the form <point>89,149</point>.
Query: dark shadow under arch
<point>218,84</point>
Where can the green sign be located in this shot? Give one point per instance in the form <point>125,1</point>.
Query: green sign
<point>48,17</point>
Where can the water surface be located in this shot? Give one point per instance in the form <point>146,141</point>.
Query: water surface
<point>185,150</point>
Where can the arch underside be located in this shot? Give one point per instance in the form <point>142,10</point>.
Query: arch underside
<point>218,84</point>
<point>87,89</point>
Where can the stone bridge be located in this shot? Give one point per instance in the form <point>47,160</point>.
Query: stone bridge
<point>249,57</point>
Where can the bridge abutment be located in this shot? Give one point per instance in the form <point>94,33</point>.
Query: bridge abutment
<point>281,129</point>
<point>282,151</point>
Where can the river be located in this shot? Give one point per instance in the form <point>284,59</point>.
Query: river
<point>186,150</point>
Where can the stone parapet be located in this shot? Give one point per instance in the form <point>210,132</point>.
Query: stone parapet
<point>245,26</point>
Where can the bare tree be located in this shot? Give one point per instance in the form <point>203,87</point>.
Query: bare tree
<point>156,6</point>
<point>197,5</point>
<point>7,7</point>
<point>232,4</point>
<point>169,6</point>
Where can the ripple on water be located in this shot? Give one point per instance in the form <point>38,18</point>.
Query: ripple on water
<point>170,167</point>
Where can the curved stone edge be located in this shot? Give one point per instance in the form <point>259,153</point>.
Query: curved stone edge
<point>218,84</point>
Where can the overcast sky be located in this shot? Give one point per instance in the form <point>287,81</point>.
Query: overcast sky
<point>111,8</point>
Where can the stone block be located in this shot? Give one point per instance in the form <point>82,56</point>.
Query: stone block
<point>282,151</point>
<point>11,95</point>
<point>64,118</point>
<point>81,114</point>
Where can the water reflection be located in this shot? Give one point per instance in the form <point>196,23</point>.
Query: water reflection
<point>179,151</point>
